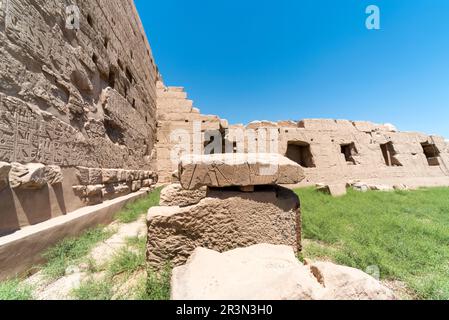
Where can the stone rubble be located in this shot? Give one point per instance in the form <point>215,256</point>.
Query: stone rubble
<point>268,272</point>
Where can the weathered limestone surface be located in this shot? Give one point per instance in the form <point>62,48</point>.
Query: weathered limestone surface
<point>72,98</point>
<point>224,220</point>
<point>330,151</point>
<point>226,170</point>
<point>267,272</point>
<point>30,176</point>
<point>175,196</point>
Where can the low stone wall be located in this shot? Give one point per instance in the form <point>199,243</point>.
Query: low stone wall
<point>23,250</point>
<point>33,193</point>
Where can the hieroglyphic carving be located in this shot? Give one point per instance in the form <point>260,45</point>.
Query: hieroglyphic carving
<point>33,136</point>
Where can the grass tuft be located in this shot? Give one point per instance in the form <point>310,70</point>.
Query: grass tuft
<point>71,250</point>
<point>405,234</point>
<point>156,286</point>
<point>133,211</point>
<point>15,290</point>
<point>94,290</point>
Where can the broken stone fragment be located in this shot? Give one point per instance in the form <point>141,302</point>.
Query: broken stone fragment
<point>30,176</point>
<point>136,185</point>
<point>225,220</point>
<point>175,195</point>
<point>4,175</point>
<point>269,272</point>
<point>226,170</point>
<point>80,191</point>
<point>335,190</point>
<point>147,183</point>
<point>89,176</point>
<point>94,190</point>
<point>112,191</point>
<point>53,174</point>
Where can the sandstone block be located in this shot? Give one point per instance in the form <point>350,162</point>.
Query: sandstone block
<point>344,283</point>
<point>4,175</point>
<point>175,195</point>
<point>30,176</point>
<point>136,185</point>
<point>94,190</point>
<point>225,170</point>
<point>335,190</point>
<point>53,174</point>
<point>268,272</point>
<point>147,183</point>
<point>264,272</point>
<point>110,176</point>
<point>90,176</point>
<point>224,220</point>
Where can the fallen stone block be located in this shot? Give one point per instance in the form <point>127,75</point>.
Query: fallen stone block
<point>224,220</point>
<point>345,283</point>
<point>335,190</point>
<point>269,272</point>
<point>380,187</point>
<point>175,195</point>
<point>401,187</point>
<point>361,187</point>
<point>30,176</point>
<point>226,170</point>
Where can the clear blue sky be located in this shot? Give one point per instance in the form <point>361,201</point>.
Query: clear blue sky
<point>250,60</point>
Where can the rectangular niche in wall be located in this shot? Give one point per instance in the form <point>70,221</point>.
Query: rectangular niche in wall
<point>432,153</point>
<point>389,155</point>
<point>349,151</point>
<point>300,153</point>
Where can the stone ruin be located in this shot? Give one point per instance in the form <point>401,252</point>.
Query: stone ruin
<point>233,233</point>
<point>225,202</point>
<point>269,272</point>
<point>86,125</point>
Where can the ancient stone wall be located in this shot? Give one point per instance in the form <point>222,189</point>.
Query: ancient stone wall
<point>72,99</point>
<point>330,151</point>
<point>178,120</point>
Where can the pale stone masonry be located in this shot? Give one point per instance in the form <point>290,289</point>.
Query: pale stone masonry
<point>223,216</point>
<point>69,99</point>
<point>268,272</point>
<point>330,151</point>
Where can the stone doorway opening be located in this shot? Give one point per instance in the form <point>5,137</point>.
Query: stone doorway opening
<point>349,150</point>
<point>389,154</point>
<point>300,152</point>
<point>432,153</point>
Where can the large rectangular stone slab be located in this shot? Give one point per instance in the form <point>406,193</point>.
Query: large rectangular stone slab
<point>227,170</point>
<point>223,221</point>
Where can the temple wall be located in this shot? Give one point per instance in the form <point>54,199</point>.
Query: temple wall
<point>72,100</point>
<point>332,151</point>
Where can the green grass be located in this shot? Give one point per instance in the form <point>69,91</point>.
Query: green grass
<point>130,259</point>
<point>133,211</point>
<point>406,234</point>
<point>156,286</point>
<point>15,290</point>
<point>91,290</point>
<point>71,250</point>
